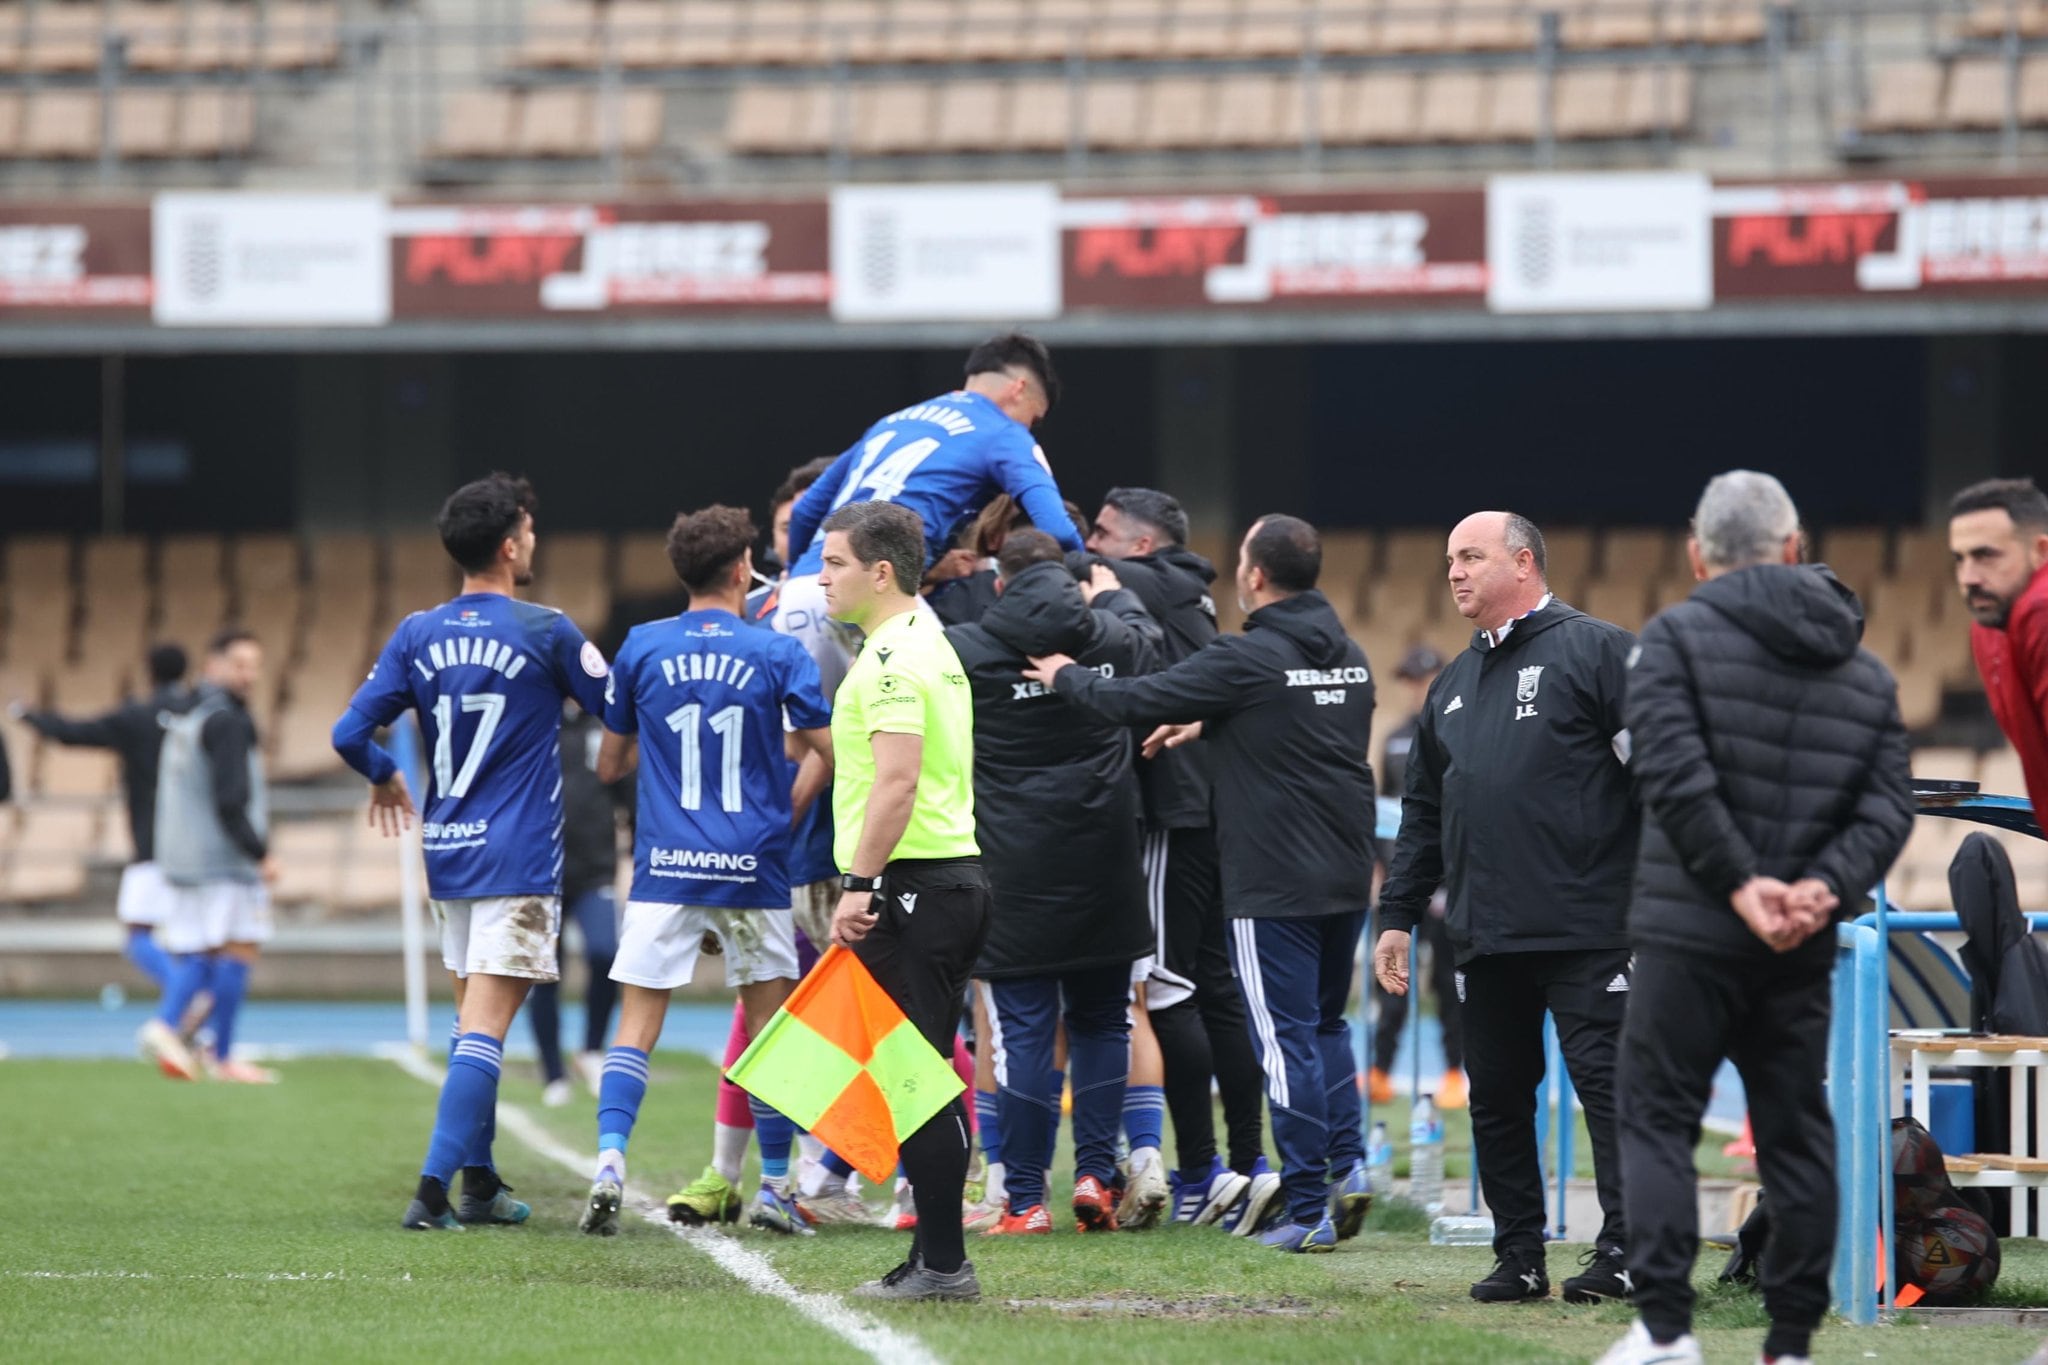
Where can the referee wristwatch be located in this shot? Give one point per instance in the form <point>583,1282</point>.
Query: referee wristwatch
<point>849,882</point>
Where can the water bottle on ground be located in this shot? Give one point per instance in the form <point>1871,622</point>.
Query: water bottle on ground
<point>1461,1230</point>
<point>1379,1162</point>
<point>1426,1156</point>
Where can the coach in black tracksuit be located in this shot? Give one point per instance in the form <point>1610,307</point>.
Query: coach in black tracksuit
<point>1287,715</point>
<point>1518,803</point>
<point>1196,1008</point>
<point>1772,766</point>
<point>1057,817</point>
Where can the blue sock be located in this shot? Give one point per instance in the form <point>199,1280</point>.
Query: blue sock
<point>479,1153</point>
<point>989,1125</point>
<point>1056,1093</point>
<point>1144,1115</point>
<point>467,1098</point>
<point>837,1164</point>
<point>229,983</point>
<point>619,1091</point>
<point>774,1133</point>
<point>189,973</point>
<point>149,959</point>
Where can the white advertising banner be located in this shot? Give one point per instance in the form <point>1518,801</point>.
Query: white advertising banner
<point>940,252</point>
<point>1598,243</point>
<point>271,260</point>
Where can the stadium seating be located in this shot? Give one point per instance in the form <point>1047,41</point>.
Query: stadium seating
<point>66,37</point>
<point>1965,95</point>
<point>1194,113</point>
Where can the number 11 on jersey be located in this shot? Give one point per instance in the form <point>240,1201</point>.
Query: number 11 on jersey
<point>729,725</point>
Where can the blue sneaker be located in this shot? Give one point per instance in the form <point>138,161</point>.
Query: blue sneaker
<point>777,1212</point>
<point>490,1201</point>
<point>1260,1208</point>
<point>1204,1200</point>
<point>1350,1201</point>
<point>1294,1237</point>
<point>419,1218</point>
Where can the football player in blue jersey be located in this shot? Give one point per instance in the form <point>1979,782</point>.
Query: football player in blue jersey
<point>719,708</point>
<point>487,675</point>
<point>944,459</point>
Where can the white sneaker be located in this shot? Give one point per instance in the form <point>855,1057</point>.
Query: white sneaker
<point>1249,1217</point>
<point>1145,1191</point>
<point>161,1044</point>
<point>557,1093</point>
<point>902,1212</point>
<point>1638,1349</point>
<point>838,1206</point>
<point>590,1066</point>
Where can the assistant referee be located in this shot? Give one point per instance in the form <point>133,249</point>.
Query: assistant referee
<point>916,902</point>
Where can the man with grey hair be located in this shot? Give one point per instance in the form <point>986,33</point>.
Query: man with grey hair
<point>1771,765</point>
<point>1516,802</point>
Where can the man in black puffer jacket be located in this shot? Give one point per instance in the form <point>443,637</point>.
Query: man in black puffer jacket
<point>1057,817</point>
<point>1772,767</point>
<point>1288,712</point>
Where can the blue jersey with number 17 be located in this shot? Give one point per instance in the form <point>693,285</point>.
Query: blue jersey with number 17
<point>707,694</point>
<point>487,675</point>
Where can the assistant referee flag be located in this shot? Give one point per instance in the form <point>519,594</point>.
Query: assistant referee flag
<point>844,1064</point>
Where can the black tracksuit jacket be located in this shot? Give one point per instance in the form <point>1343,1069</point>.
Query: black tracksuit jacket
<point>135,733</point>
<point>1516,801</point>
<point>1056,804</point>
<point>1767,742</point>
<point>1173,583</point>
<point>1287,718</point>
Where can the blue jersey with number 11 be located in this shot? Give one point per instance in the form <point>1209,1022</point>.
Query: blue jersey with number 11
<point>487,675</point>
<point>707,693</point>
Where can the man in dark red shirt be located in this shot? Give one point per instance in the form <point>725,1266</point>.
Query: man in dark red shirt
<point>1998,531</point>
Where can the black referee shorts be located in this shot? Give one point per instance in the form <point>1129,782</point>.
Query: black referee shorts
<point>931,918</point>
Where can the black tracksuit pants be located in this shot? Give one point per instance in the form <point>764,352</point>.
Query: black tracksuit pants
<point>1504,996</point>
<point>923,960</point>
<point>1196,1005</point>
<point>1770,1017</point>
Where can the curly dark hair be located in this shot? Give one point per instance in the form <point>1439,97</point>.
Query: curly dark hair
<point>704,545</point>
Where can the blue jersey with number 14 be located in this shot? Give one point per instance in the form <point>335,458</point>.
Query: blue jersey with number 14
<point>707,693</point>
<point>487,675</point>
<point>943,459</point>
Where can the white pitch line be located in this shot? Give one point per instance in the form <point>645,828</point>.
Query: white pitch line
<point>750,1268</point>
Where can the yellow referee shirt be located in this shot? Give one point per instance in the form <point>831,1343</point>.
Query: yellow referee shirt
<point>906,681</point>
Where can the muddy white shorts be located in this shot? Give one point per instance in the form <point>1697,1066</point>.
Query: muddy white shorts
<point>145,896</point>
<point>501,936</point>
<point>659,944</point>
<point>813,904</point>
<point>200,919</point>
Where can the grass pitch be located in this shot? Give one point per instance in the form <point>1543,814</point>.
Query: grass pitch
<point>149,1221</point>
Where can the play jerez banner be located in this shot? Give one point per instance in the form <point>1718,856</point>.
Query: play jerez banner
<point>878,254</point>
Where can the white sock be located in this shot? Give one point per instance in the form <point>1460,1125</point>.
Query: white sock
<point>818,1181</point>
<point>1143,1157</point>
<point>614,1160</point>
<point>993,1183</point>
<point>812,1149</point>
<point>779,1184</point>
<point>729,1149</point>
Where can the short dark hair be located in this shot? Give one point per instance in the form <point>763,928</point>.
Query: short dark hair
<point>1160,511</point>
<point>167,663</point>
<point>1288,550</point>
<point>2019,499</point>
<point>478,517</point>
<point>877,531</point>
<point>227,637</point>
<point>798,481</point>
<point>1521,534</point>
<point>1016,351</point>
<point>703,545</point>
<point>1024,548</point>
